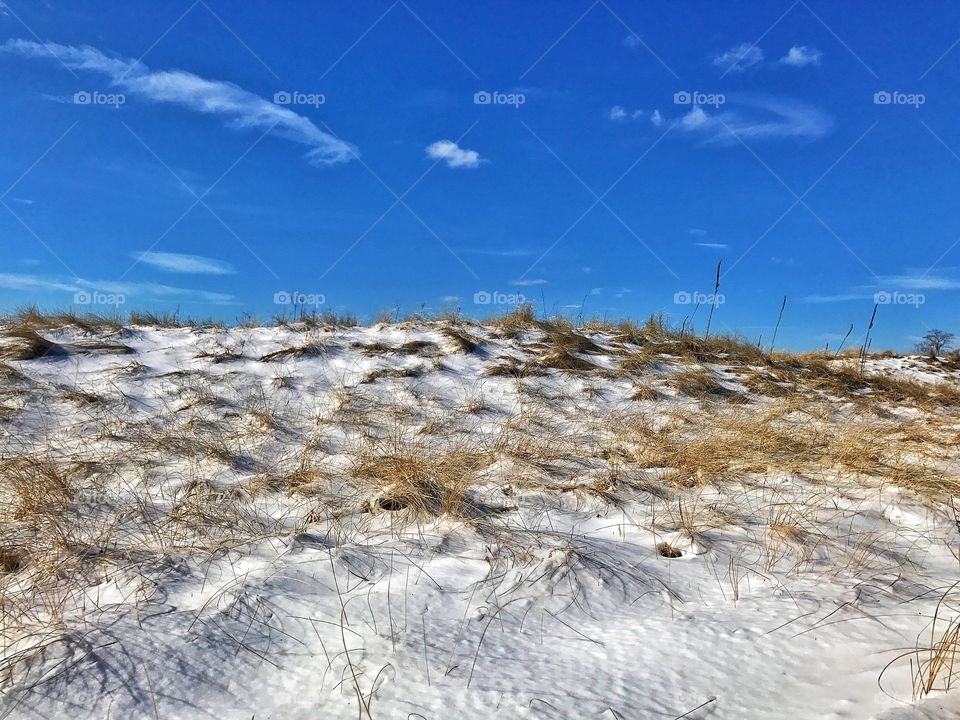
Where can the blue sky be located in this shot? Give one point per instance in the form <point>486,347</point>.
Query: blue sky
<point>220,158</point>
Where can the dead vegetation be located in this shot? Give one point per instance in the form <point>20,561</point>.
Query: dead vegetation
<point>700,383</point>
<point>407,476</point>
<point>462,339</point>
<point>20,343</point>
<point>596,418</point>
<point>308,350</point>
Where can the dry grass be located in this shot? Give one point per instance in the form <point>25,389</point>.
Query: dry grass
<point>933,664</point>
<point>700,383</point>
<point>463,340</point>
<point>509,366</point>
<point>646,393</point>
<point>309,350</point>
<point>39,487</point>
<point>725,448</point>
<point>32,318</point>
<point>693,450</point>
<point>936,664</point>
<point>21,343</point>
<point>144,318</point>
<point>655,338</point>
<point>380,373</point>
<point>521,319</point>
<point>408,476</point>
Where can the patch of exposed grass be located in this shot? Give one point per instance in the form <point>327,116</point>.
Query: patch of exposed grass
<point>700,383</point>
<point>647,393</point>
<point>21,343</point>
<point>309,350</point>
<point>461,339</point>
<point>380,373</point>
<point>428,483</point>
<point>520,319</point>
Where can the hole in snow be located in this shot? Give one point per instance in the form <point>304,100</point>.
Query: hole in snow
<point>668,550</point>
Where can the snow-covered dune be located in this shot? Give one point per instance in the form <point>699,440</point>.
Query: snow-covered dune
<point>449,520</point>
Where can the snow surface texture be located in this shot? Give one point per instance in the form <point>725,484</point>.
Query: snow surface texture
<point>220,538</point>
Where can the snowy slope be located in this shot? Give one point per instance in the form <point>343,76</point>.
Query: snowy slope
<point>224,547</point>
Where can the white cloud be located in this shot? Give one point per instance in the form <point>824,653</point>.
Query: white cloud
<point>133,291</point>
<point>739,58</point>
<point>450,299</point>
<point>528,283</point>
<point>712,245</point>
<point>801,56</point>
<point>922,282</point>
<point>180,263</point>
<point>696,118</point>
<point>618,113</point>
<point>842,297</point>
<point>889,283</point>
<point>513,252</point>
<point>758,118</point>
<point>241,109</point>
<point>453,154</point>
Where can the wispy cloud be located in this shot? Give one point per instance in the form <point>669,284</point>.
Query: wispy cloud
<point>618,113</point>
<point>528,283</point>
<point>712,245</point>
<point>840,297</point>
<point>801,56</point>
<point>921,281</point>
<point>508,253</point>
<point>239,107</point>
<point>887,284</point>
<point>453,154</point>
<point>739,58</point>
<point>757,118</point>
<point>140,292</point>
<point>180,263</point>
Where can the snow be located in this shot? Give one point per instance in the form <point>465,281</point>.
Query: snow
<point>555,604</point>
